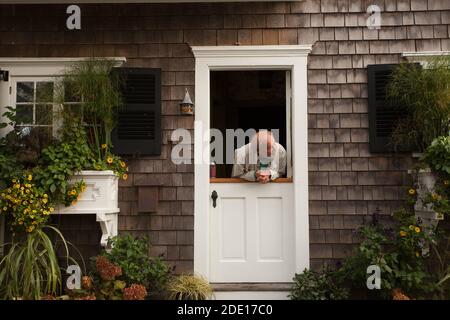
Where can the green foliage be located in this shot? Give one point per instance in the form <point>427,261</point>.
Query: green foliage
<point>131,254</point>
<point>189,287</point>
<point>311,285</point>
<point>398,251</point>
<point>60,161</point>
<point>25,143</point>
<point>110,290</point>
<point>437,155</point>
<point>426,95</point>
<point>30,268</point>
<point>9,168</point>
<point>98,87</point>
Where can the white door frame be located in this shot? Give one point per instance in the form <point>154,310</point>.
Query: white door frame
<point>289,57</point>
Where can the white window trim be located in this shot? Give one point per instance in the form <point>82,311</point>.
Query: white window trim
<point>36,68</point>
<point>289,57</point>
<point>423,57</point>
<point>43,66</point>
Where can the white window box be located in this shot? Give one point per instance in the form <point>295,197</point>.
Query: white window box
<point>99,198</point>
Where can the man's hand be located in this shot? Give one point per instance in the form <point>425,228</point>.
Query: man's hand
<point>262,176</point>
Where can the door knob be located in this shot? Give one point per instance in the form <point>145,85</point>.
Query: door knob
<point>214,197</point>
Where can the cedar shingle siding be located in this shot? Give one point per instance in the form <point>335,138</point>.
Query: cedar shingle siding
<point>347,182</point>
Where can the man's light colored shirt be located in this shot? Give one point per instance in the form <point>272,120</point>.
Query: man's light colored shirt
<point>246,162</point>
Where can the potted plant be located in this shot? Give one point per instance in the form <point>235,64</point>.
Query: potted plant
<point>93,84</point>
<point>425,94</point>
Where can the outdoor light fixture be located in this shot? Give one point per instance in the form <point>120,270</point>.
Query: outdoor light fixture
<point>186,106</point>
<point>4,75</point>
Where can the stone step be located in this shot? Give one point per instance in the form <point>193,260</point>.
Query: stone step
<point>252,286</point>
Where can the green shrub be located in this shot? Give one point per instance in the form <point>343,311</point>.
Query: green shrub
<point>131,254</point>
<point>425,94</point>
<point>437,155</point>
<point>311,285</point>
<point>30,268</point>
<point>397,250</point>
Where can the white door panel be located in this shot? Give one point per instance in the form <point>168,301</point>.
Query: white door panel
<point>252,233</point>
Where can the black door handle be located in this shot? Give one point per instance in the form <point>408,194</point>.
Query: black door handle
<point>214,197</point>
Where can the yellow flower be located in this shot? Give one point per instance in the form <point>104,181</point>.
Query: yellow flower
<point>402,233</point>
<point>17,186</point>
<point>104,146</point>
<point>411,191</point>
<point>45,195</point>
<point>417,229</point>
<point>73,192</point>
<point>109,160</point>
<point>446,182</point>
<point>44,200</point>
<point>51,209</point>
<point>122,164</point>
<point>411,227</point>
<point>14,180</point>
<point>436,196</point>
<point>417,254</point>
<point>30,177</point>
<point>125,176</point>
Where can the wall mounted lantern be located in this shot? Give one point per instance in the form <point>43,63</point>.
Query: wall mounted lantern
<point>187,106</point>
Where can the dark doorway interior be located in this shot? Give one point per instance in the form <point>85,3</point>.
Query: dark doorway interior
<point>248,99</point>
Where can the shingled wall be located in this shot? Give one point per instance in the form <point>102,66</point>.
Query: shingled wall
<point>347,182</point>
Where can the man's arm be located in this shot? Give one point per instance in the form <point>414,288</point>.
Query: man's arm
<point>280,167</point>
<point>239,168</point>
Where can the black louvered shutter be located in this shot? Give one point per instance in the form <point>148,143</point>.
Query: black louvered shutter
<point>138,130</point>
<point>383,112</point>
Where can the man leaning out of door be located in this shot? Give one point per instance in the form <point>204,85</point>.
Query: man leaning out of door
<point>261,160</point>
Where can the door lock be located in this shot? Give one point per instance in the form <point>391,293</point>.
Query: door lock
<point>214,197</point>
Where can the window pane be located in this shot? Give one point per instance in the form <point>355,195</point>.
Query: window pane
<point>70,95</point>
<point>44,114</point>
<point>44,91</point>
<point>73,109</point>
<point>24,114</point>
<point>25,92</point>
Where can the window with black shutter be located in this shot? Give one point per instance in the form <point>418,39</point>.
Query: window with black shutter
<point>384,113</point>
<point>138,130</point>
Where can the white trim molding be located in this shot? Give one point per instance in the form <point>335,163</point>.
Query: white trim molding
<point>292,58</point>
<point>127,1</point>
<point>423,57</point>
<point>44,66</point>
<point>251,51</point>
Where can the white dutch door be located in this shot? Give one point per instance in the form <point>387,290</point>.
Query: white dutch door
<point>251,224</point>
<point>252,232</point>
